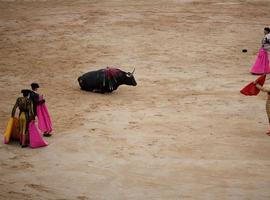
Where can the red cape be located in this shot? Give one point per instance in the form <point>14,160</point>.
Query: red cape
<point>251,89</point>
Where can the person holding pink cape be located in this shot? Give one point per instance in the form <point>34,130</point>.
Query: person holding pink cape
<point>261,65</point>
<point>35,137</point>
<point>44,119</point>
<point>41,111</point>
<point>29,134</point>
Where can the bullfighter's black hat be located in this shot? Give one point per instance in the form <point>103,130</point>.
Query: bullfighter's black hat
<point>34,86</point>
<point>25,92</point>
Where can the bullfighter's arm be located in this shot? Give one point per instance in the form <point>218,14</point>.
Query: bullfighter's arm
<point>31,111</point>
<point>14,108</point>
<point>264,89</point>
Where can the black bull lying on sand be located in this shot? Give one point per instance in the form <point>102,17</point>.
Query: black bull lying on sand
<point>106,80</point>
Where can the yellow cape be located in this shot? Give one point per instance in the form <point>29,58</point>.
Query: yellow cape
<point>12,130</point>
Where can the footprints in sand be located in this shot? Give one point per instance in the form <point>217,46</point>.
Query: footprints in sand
<point>91,130</point>
<point>133,125</point>
<point>82,198</point>
<point>38,187</point>
<point>14,158</point>
<point>153,142</point>
<point>19,195</point>
<point>27,192</point>
<point>118,153</point>
<point>158,115</point>
<point>22,165</point>
<point>13,164</point>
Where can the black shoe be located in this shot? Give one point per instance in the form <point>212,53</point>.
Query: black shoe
<point>25,145</point>
<point>47,135</point>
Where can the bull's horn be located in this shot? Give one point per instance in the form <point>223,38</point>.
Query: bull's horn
<point>133,71</point>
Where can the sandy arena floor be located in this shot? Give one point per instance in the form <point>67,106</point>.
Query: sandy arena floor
<point>185,132</point>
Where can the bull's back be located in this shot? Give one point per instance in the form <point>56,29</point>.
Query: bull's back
<point>90,80</point>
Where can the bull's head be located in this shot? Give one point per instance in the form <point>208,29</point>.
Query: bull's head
<point>130,80</point>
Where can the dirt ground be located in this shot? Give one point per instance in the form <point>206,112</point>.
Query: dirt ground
<point>184,132</point>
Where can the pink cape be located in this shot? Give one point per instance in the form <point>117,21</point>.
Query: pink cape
<point>251,89</point>
<point>35,137</point>
<point>44,120</point>
<point>261,65</point>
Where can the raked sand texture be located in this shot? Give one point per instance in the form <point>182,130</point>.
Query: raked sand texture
<point>184,132</point>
